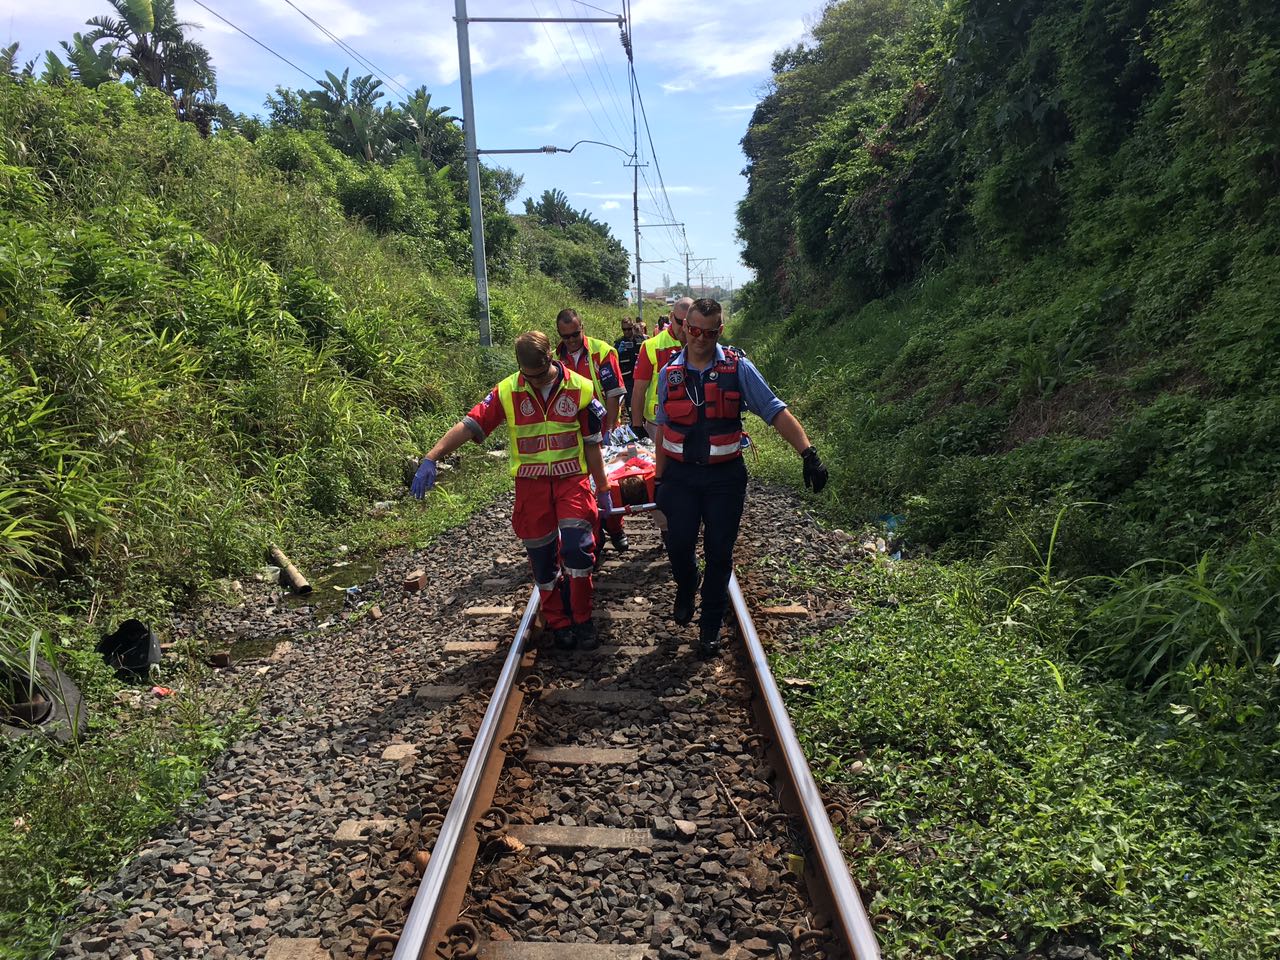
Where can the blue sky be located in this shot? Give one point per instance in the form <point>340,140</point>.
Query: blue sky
<point>702,66</point>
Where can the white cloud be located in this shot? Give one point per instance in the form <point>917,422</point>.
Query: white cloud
<point>339,18</point>
<point>734,107</point>
<point>610,205</point>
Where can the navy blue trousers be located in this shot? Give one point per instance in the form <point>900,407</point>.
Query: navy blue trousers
<point>709,498</point>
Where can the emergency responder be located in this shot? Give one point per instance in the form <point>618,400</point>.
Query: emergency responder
<point>554,424</point>
<point>702,480</point>
<point>597,361</point>
<point>594,359</point>
<point>628,346</point>
<point>657,350</point>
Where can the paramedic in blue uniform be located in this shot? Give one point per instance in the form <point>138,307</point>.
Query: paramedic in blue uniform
<point>702,480</point>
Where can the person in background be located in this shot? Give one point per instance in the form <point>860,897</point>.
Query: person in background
<point>555,426</point>
<point>597,361</point>
<point>700,475</point>
<point>628,346</point>
<point>657,350</point>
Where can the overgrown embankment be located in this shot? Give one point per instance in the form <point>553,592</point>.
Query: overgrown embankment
<point>1017,271</point>
<point>206,345</point>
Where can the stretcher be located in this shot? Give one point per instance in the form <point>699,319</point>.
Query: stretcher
<point>630,468</point>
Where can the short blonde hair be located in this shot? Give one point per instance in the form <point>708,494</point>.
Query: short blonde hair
<point>532,348</point>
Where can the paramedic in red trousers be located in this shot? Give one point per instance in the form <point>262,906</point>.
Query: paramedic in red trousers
<point>554,425</point>
<point>702,480</point>
<point>597,361</point>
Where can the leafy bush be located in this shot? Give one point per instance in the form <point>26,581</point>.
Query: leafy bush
<point>1004,807</point>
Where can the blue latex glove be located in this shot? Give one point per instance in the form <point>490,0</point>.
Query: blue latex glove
<point>604,502</point>
<point>424,479</point>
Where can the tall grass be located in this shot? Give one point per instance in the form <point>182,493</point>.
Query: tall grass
<point>1163,621</point>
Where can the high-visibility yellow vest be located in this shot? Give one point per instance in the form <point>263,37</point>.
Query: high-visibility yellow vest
<point>545,442</point>
<point>661,343</point>
<point>599,351</point>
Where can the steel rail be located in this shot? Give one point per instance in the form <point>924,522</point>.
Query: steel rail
<point>422,915</point>
<point>850,918</point>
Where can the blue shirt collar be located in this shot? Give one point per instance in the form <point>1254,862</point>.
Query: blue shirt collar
<point>685,360</point>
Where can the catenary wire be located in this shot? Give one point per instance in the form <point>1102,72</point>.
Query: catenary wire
<point>556,50</point>
<point>350,50</point>
<point>637,97</point>
<point>577,52</point>
<point>612,13</point>
<point>597,61</point>
<point>239,29</point>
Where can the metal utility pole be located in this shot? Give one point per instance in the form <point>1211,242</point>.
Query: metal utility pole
<point>701,261</point>
<point>635,213</point>
<point>635,164</point>
<point>473,170</point>
<point>636,203</point>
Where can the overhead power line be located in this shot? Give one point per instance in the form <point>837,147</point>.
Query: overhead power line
<point>278,56</point>
<point>593,7</point>
<point>637,99</point>
<point>573,83</point>
<point>350,50</point>
<point>597,61</point>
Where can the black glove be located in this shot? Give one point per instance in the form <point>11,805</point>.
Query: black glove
<point>815,474</point>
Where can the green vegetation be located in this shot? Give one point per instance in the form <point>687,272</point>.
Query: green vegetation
<point>217,332</point>
<point>1016,270</point>
<point>1005,803</point>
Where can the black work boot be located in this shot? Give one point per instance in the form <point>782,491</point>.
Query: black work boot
<point>619,541</point>
<point>682,609</point>
<point>584,634</point>
<point>563,638</point>
<point>708,641</point>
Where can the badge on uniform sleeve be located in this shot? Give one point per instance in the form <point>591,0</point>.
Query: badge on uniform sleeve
<point>675,377</point>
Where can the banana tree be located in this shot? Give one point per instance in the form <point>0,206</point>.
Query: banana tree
<point>357,125</point>
<point>90,65</point>
<point>435,137</point>
<point>153,49</point>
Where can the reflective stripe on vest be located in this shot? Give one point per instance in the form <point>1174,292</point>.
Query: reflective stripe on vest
<point>545,442</point>
<point>659,349</point>
<point>704,426</point>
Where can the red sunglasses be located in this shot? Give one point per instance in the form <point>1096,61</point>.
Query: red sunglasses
<point>698,332</point>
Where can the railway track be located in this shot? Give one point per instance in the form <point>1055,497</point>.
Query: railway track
<point>308,841</point>
<point>624,803</point>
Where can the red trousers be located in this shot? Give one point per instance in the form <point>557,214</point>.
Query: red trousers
<point>555,519</point>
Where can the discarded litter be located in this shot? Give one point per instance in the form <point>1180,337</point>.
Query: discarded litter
<point>162,691</point>
<point>131,650</point>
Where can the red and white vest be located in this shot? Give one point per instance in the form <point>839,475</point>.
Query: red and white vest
<point>704,419</point>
